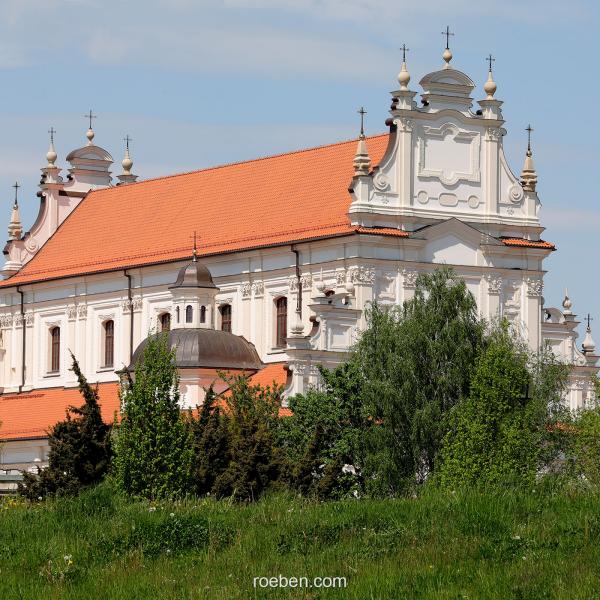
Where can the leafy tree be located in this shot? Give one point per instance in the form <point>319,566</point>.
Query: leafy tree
<point>255,461</point>
<point>498,434</point>
<point>587,444</point>
<point>416,362</point>
<point>80,450</point>
<point>153,447</point>
<point>323,438</point>
<point>211,444</point>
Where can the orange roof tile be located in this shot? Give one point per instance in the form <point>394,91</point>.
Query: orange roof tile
<point>32,414</point>
<point>528,243</point>
<point>269,201</point>
<point>272,372</point>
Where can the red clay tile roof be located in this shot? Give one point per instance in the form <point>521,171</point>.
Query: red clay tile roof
<point>528,243</point>
<point>273,372</point>
<point>31,414</point>
<point>280,199</point>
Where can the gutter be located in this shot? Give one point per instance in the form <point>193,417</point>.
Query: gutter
<point>130,304</point>
<point>298,276</point>
<point>24,339</point>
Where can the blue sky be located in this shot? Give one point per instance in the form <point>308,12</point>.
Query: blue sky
<point>202,82</point>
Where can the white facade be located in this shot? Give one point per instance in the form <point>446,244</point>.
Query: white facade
<point>444,181</point>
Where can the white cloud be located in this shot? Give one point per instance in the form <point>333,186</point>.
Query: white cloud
<point>572,219</point>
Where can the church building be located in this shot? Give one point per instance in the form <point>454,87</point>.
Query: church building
<point>291,249</point>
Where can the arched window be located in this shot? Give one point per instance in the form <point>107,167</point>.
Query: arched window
<point>109,343</point>
<point>165,322</point>
<point>189,314</point>
<point>203,314</point>
<point>280,321</point>
<point>55,350</point>
<point>226,317</point>
<point>177,314</point>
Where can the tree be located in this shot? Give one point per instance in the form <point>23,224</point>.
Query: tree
<point>416,362</point>
<point>153,447</point>
<point>500,432</point>
<point>255,461</point>
<point>323,438</point>
<point>211,443</point>
<point>80,450</point>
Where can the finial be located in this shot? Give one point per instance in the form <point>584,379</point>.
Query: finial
<point>51,154</point>
<point>127,163</point>
<point>15,229</point>
<point>195,250</point>
<point>528,174</point>
<point>90,132</point>
<point>490,85</point>
<point>529,129</point>
<point>362,112</point>
<point>362,160</point>
<point>567,304</point>
<point>447,55</point>
<point>589,346</point>
<point>404,75</point>
<point>16,186</point>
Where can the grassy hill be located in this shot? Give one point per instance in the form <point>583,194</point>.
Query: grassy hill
<point>530,544</point>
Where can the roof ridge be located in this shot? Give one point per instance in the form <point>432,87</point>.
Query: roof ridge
<point>239,162</point>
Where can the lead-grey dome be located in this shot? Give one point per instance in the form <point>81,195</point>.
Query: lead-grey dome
<point>207,348</point>
<point>194,275</point>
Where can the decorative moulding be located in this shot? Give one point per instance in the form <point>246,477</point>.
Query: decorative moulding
<point>450,177</point>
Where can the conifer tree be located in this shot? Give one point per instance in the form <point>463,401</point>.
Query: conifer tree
<point>255,460</point>
<point>210,432</point>
<point>153,448</point>
<point>80,450</point>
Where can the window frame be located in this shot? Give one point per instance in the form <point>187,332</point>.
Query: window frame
<point>54,358</point>
<point>108,348</point>
<point>281,321</point>
<point>226,312</point>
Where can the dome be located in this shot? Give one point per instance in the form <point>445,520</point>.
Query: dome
<point>194,275</point>
<point>207,348</point>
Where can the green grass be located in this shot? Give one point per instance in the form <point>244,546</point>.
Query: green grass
<point>530,545</point>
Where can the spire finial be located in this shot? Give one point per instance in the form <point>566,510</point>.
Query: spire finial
<point>362,112</point>
<point>90,132</point>
<point>127,163</point>
<point>16,186</point>
<point>15,229</point>
<point>195,250</point>
<point>447,55</point>
<point>51,154</point>
<point>404,75</point>
<point>529,129</point>
<point>589,346</point>
<point>362,160</point>
<point>528,174</point>
<point>490,85</point>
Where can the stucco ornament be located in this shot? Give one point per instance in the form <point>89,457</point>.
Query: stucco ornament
<point>409,277</point>
<point>535,287</point>
<point>494,282</point>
